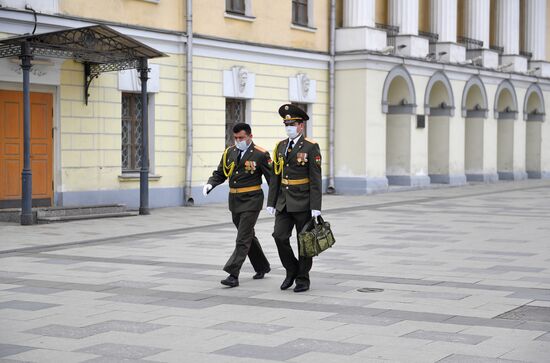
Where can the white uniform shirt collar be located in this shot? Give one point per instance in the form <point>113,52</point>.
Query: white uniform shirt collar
<point>295,142</point>
<point>295,139</point>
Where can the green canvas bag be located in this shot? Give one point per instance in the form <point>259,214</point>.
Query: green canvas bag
<point>315,237</point>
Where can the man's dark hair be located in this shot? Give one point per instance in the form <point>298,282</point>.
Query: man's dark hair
<point>242,126</point>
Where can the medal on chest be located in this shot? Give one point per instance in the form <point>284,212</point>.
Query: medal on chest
<point>301,158</point>
<point>250,166</point>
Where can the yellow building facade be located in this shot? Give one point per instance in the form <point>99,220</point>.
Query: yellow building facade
<point>413,105</point>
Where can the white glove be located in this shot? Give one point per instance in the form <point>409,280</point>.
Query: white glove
<point>315,213</point>
<point>270,210</point>
<point>206,189</point>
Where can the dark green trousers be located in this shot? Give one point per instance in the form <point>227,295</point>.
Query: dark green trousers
<point>284,223</point>
<point>246,245</point>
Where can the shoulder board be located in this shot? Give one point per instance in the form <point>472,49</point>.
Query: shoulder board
<point>310,140</point>
<point>261,149</point>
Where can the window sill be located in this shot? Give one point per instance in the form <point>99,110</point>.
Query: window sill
<point>240,17</point>
<point>134,177</point>
<point>303,28</point>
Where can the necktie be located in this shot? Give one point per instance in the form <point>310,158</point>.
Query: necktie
<point>290,146</point>
<point>239,157</point>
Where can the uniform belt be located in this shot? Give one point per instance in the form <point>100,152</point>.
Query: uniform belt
<point>295,181</point>
<point>245,189</point>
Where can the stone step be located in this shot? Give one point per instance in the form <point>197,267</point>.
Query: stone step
<point>13,215</point>
<point>67,218</point>
<point>80,211</point>
<point>61,214</point>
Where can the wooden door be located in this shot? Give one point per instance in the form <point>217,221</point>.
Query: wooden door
<point>11,148</point>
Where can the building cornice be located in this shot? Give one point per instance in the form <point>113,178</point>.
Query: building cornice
<point>256,53</point>
<point>420,67</point>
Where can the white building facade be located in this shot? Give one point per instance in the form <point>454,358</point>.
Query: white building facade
<point>415,108</point>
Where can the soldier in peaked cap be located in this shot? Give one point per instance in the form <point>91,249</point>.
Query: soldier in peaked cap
<point>243,164</point>
<point>294,193</point>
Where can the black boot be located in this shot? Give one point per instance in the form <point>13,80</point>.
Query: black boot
<point>231,281</point>
<point>260,275</point>
<point>288,282</point>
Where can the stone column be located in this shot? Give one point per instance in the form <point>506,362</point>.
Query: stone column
<point>443,14</point>
<point>359,31</point>
<point>477,20</point>
<point>534,31</point>
<point>507,26</point>
<point>359,13</point>
<point>404,14</point>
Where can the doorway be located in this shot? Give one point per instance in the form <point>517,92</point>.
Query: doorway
<point>11,148</point>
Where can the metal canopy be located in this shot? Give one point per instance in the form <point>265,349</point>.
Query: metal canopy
<point>99,47</point>
<point>96,44</point>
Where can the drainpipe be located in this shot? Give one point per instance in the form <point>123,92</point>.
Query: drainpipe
<point>331,189</point>
<point>188,199</point>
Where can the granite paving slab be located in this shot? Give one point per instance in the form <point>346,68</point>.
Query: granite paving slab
<point>124,351</point>
<point>530,313</point>
<point>25,305</point>
<point>462,358</point>
<point>447,337</point>
<point>11,349</point>
<point>254,328</point>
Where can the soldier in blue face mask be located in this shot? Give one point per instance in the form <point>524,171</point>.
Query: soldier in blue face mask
<point>294,193</point>
<point>243,166</point>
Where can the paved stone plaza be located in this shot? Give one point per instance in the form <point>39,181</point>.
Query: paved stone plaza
<point>465,274</point>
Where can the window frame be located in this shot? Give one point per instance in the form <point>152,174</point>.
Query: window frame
<point>295,12</point>
<point>245,16</point>
<point>245,116</point>
<point>151,129</point>
<point>230,7</point>
<point>310,25</point>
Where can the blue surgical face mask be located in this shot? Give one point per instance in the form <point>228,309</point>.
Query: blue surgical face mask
<point>242,145</point>
<point>291,131</point>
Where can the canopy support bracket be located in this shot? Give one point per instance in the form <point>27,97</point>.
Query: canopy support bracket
<point>88,78</point>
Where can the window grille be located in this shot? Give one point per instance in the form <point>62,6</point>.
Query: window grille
<point>235,6</point>
<point>235,111</point>
<point>131,131</point>
<point>299,12</point>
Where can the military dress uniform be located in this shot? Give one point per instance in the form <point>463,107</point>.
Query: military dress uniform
<point>245,202</point>
<point>294,191</point>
